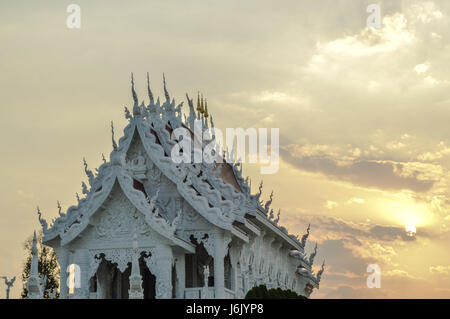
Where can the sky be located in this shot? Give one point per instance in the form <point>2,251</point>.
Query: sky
<point>363,116</point>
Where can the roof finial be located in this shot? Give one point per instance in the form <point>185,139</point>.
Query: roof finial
<point>58,204</point>
<point>305,236</point>
<point>166,94</point>
<point>88,172</point>
<point>112,136</point>
<point>268,203</point>
<point>150,94</point>
<point>202,108</point>
<point>198,102</point>
<point>278,217</point>
<point>41,220</point>
<point>206,109</point>
<point>127,113</point>
<point>319,274</point>
<point>84,188</point>
<point>311,257</point>
<point>133,92</point>
<point>103,158</point>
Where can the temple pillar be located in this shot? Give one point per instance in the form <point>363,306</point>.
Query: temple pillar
<point>234,258</point>
<point>221,242</point>
<point>160,264</point>
<point>181,273</point>
<point>81,259</point>
<point>63,261</point>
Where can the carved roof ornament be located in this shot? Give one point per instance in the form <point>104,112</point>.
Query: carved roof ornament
<point>205,113</point>
<point>133,92</point>
<point>305,236</point>
<point>260,189</point>
<point>269,202</point>
<point>58,205</point>
<point>84,188</point>
<point>112,137</point>
<point>191,119</point>
<point>278,217</point>
<point>42,220</point>
<point>320,272</point>
<point>88,172</point>
<point>313,254</point>
<point>271,215</point>
<point>149,91</point>
<point>127,113</point>
<point>166,93</point>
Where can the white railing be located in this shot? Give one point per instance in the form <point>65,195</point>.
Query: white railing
<point>228,294</point>
<point>199,293</point>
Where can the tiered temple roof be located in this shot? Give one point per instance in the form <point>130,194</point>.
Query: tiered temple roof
<point>218,192</point>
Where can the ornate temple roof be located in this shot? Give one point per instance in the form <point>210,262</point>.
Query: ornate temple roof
<point>217,191</point>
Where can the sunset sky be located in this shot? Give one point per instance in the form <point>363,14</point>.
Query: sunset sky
<point>363,113</point>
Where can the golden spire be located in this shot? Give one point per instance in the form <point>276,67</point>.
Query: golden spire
<point>202,109</point>
<point>198,102</point>
<point>206,108</point>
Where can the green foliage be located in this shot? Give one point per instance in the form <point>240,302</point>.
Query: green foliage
<point>47,266</point>
<point>261,292</point>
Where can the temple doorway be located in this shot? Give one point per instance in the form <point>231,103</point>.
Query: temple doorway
<point>110,283</point>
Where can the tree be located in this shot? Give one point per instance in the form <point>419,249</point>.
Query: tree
<point>261,292</point>
<point>47,266</point>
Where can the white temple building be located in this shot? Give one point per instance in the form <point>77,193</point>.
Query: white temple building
<point>148,227</point>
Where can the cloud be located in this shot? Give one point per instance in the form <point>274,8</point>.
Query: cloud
<point>329,204</point>
<point>440,270</point>
<point>390,37</point>
<point>388,175</point>
<point>356,200</point>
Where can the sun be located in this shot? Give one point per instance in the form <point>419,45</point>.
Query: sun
<point>410,230</point>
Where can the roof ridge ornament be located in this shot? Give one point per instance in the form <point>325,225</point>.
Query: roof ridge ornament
<point>127,113</point>
<point>313,254</point>
<point>58,205</point>
<point>112,136</point>
<point>149,91</point>
<point>166,93</point>
<point>42,220</point>
<point>206,110</point>
<point>88,172</point>
<point>268,203</point>
<point>320,272</point>
<point>305,236</point>
<point>133,92</point>
<point>84,188</point>
<point>191,118</point>
<point>276,220</point>
<point>258,195</point>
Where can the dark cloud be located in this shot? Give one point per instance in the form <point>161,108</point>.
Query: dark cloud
<point>354,232</point>
<point>367,173</point>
